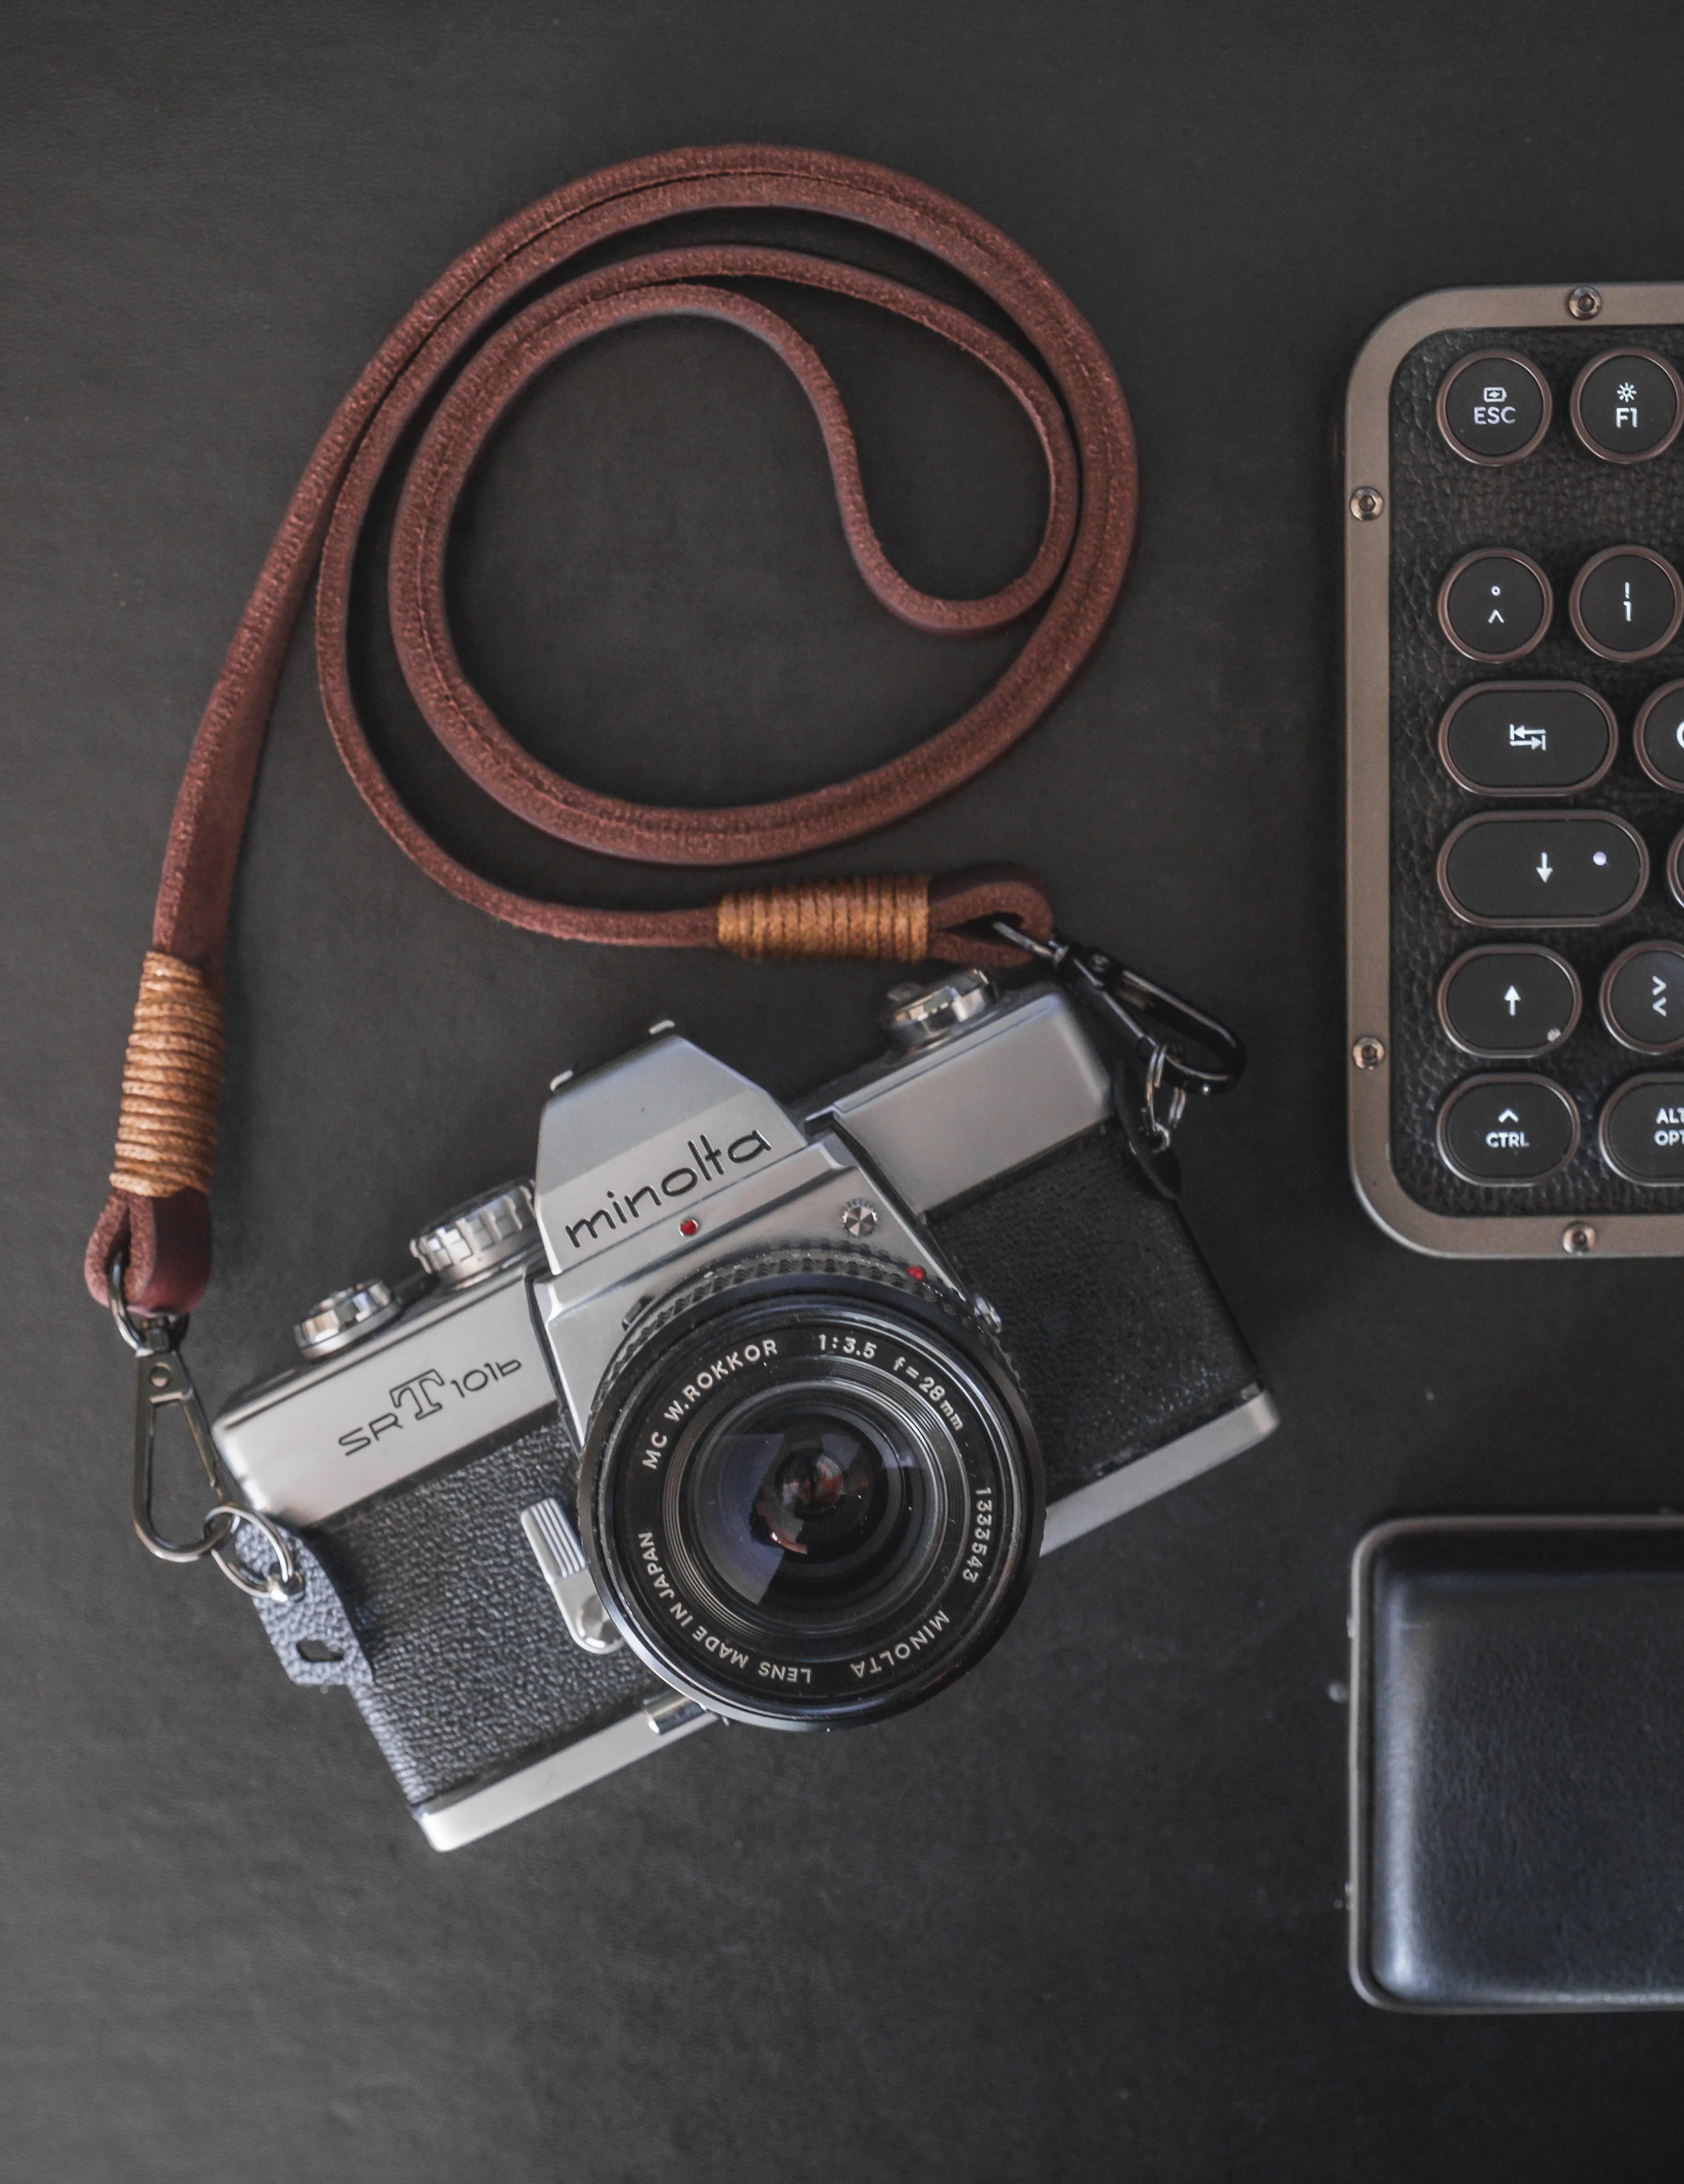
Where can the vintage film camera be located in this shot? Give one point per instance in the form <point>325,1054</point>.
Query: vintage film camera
<point>742,1410</point>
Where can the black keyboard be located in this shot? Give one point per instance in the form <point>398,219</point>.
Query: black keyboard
<point>1514,641</point>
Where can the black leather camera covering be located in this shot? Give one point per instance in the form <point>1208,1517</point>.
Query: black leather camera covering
<point>1559,505</point>
<point>470,1673</point>
<point>1519,1820</point>
<point>1119,1336</point>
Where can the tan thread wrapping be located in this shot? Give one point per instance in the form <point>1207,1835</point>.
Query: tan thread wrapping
<point>878,921</point>
<point>172,1079</point>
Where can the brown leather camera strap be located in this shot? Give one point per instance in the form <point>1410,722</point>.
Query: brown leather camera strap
<point>156,1220</point>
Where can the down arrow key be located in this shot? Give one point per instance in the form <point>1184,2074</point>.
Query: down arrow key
<point>1522,868</point>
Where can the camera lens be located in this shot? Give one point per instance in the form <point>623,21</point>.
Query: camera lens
<point>806,1506</point>
<point>811,1493</point>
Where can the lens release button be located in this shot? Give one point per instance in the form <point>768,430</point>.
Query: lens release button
<point>1641,1130</point>
<point>1508,1129</point>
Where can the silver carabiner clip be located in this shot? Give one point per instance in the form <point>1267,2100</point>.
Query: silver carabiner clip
<point>1163,1126</point>
<point>162,1381</point>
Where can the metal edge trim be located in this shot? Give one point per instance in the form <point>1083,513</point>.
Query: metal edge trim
<point>451,1823</point>
<point>1367,795</point>
<point>1360,1745</point>
<point>1148,1476</point>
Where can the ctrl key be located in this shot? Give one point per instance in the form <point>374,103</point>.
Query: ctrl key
<point>1507,1130</point>
<point>1641,1130</point>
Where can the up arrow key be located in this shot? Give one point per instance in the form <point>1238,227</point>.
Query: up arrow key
<point>1512,998</point>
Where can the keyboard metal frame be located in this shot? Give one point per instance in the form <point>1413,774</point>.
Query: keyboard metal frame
<point>1368,795</point>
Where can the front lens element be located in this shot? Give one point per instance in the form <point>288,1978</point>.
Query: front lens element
<point>806,1505</point>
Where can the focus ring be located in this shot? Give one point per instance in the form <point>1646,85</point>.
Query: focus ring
<point>725,1280</point>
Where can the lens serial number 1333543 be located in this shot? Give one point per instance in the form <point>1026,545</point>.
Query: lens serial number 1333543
<point>982,1537</point>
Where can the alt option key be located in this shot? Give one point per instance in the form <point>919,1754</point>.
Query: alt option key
<point>1507,1130</point>
<point>1642,1129</point>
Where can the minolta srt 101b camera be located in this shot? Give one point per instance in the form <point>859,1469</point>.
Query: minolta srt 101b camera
<point>743,1410</point>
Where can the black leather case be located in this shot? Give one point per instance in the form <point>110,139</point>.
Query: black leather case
<point>1517,1787</point>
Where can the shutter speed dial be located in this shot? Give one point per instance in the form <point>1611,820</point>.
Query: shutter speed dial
<point>479,1235</point>
<point>475,1239</point>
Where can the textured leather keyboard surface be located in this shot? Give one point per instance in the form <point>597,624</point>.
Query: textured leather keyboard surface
<point>1559,505</point>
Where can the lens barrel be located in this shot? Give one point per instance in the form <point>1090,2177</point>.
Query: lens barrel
<point>811,1493</point>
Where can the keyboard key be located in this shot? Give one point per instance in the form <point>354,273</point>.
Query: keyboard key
<point>1642,997</point>
<point>1508,1003</point>
<point>1627,404</point>
<point>1495,604</point>
<point>1493,407</point>
<point>1529,739</point>
<point>1640,1132</point>
<point>1658,736</point>
<point>1542,868</point>
<point>1626,602</point>
<point>1508,1129</point>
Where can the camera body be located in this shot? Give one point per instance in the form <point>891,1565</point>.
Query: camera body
<point>742,1409</point>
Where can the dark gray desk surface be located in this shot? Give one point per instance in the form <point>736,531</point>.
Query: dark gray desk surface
<point>1082,1917</point>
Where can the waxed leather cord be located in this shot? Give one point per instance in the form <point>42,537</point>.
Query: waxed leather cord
<point>1074,403</point>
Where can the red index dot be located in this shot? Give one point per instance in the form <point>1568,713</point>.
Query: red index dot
<point>688,1228</point>
<point>916,1273</point>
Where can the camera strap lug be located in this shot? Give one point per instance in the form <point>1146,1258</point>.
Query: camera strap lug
<point>162,1382</point>
<point>1144,1032</point>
